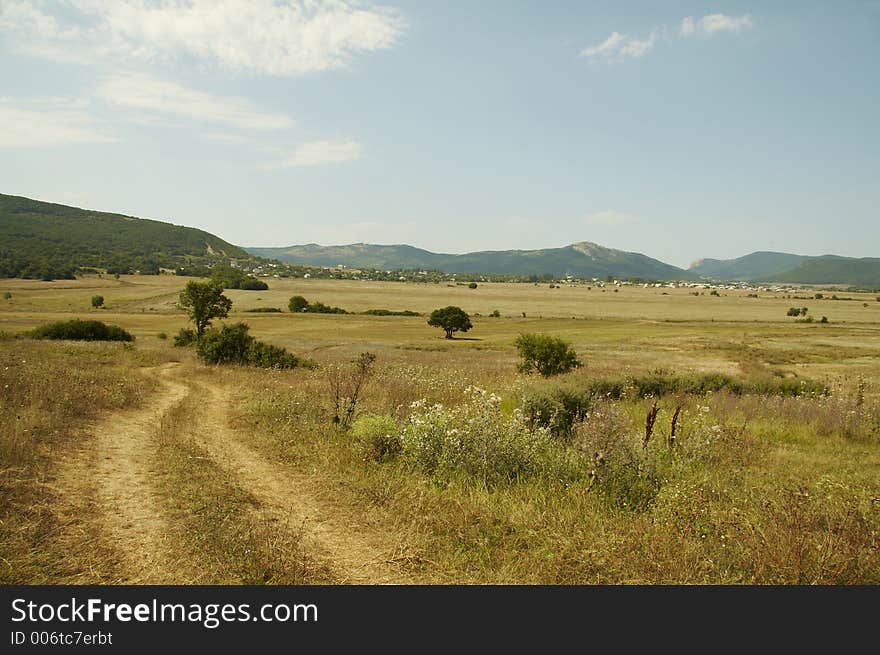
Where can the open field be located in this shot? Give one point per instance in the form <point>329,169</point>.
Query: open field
<point>112,453</point>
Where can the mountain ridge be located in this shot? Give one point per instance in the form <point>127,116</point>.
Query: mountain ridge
<point>770,266</point>
<point>580,259</point>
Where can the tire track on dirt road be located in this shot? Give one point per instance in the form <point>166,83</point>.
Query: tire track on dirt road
<point>118,467</point>
<point>354,554</point>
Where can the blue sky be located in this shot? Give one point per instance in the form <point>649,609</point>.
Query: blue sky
<point>678,129</point>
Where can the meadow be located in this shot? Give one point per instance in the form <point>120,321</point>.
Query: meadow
<point>443,476</point>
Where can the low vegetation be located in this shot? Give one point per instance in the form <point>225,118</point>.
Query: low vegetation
<point>300,304</point>
<point>545,354</point>
<point>78,330</point>
<point>233,344</point>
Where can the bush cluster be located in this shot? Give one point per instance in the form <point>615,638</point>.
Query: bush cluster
<point>545,354</point>
<point>77,330</point>
<point>390,312</point>
<point>299,304</point>
<point>477,440</point>
<point>559,406</point>
<point>232,344</point>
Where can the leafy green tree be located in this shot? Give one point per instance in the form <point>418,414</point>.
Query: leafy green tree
<point>545,354</point>
<point>452,319</point>
<point>97,301</point>
<point>298,304</point>
<point>204,301</point>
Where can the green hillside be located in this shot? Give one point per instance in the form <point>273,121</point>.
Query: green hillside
<point>796,269</point>
<point>831,269</point>
<point>756,266</point>
<point>46,240</point>
<point>583,259</point>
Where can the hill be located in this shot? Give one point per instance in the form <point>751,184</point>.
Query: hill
<point>46,240</point>
<point>797,269</point>
<point>582,259</point>
<point>831,269</point>
<point>756,266</point>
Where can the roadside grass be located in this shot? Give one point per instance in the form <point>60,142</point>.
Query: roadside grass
<point>750,493</point>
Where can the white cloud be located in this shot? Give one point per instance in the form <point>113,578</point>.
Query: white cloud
<point>145,93</point>
<point>48,123</point>
<point>269,37</point>
<point>712,24</point>
<point>636,48</point>
<point>607,47</point>
<point>331,151</point>
<point>687,26</point>
<point>618,47</point>
<point>610,217</point>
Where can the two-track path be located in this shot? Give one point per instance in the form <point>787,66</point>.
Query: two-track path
<point>119,467</point>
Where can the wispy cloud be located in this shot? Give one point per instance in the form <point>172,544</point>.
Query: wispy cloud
<point>48,123</point>
<point>712,24</point>
<point>152,95</point>
<point>268,37</point>
<point>610,217</point>
<point>330,151</point>
<point>619,46</point>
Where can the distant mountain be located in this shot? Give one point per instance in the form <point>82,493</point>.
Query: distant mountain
<point>583,259</point>
<point>42,239</point>
<point>831,269</point>
<point>756,266</point>
<point>796,269</point>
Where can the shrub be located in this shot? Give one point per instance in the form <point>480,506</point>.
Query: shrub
<point>824,319</point>
<point>545,354</point>
<point>265,355</point>
<point>97,301</point>
<point>264,310</point>
<point>346,385</point>
<point>77,330</point>
<point>495,314</point>
<point>472,285</point>
<point>379,435</point>
<point>559,406</point>
<point>185,337</point>
<point>321,308</point>
<point>232,344</point>
<point>297,304</point>
<point>252,284</point>
<point>477,440</point>
<point>7,295</point>
<point>793,311</point>
<point>390,312</point>
<point>162,336</point>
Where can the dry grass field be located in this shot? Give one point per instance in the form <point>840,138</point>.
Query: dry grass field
<point>136,463</point>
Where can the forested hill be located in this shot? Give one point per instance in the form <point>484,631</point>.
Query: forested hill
<point>46,240</point>
<point>797,269</point>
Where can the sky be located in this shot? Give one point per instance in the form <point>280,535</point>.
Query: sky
<point>681,130</point>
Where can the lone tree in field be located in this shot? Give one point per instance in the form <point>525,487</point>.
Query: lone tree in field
<point>204,301</point>
<point>545,354</point>
<point>298,304</point>
<point>97,301</point>
<point>451,319</point>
